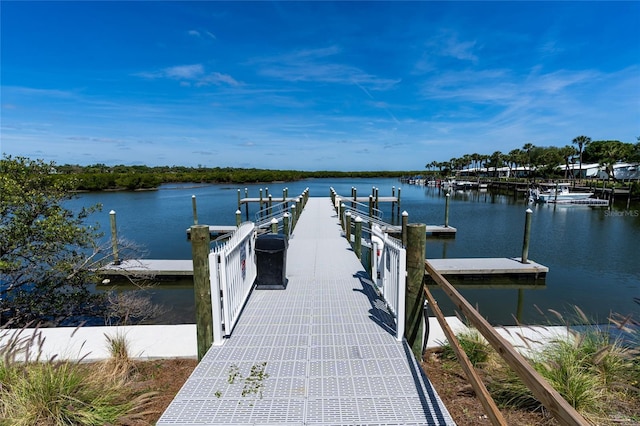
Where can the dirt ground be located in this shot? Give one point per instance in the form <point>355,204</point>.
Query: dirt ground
<point>167,377</point>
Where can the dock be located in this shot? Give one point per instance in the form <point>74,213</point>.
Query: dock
<point>149,268</point>
<point>430,230</point>
<point>488,266</point>
<point>216,231</point>
<point>322,351</point>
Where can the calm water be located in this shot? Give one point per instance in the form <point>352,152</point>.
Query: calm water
<point>592,253</point>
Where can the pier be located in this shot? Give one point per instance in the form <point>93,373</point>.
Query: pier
<point>322,351</point>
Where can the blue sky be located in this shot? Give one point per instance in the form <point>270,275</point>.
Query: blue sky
<point>313,85</point>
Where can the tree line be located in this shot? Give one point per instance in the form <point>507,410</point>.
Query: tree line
<point>544,161</point>
<point>99,177</point>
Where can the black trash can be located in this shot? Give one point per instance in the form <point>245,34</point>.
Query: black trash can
<point>271,261</point>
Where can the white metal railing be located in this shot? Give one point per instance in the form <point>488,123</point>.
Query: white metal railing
<point>232,273</point>
<point>389,272</point>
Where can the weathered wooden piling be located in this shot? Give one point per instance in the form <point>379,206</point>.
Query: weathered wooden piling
<point>200,243</point>
<point>274,226</point>
<point>238,217</point>
<point>525,240</point>
<point>114,237</point>
<point>195,209</point>
<point>239,202</point>
<point>447,197</point>
<point>398,202</point>
<point>341,214</point>
<point>246,205</point>
<point>347,228</point>
<point>370,205</point>
<point>357,244</point>
<point>285,225</point>
<point>405,221</point>
<point>294,216</point>
<point>414,296</point>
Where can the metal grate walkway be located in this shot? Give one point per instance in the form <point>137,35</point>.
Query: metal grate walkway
<point>322,351</point>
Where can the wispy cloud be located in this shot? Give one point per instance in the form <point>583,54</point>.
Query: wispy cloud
<point>193,74</point>
<point>201,34</point>
<point>447,44</point>
<point>316,65</point>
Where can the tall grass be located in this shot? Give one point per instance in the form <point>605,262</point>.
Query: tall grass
<point>52,393</point>
<point>596,371</point>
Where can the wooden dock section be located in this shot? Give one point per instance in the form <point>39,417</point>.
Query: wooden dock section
<point>149,268</point>
<point>488,266</point>
<point>430,229</point>
<point>217,230</point>
<point>320,352</point>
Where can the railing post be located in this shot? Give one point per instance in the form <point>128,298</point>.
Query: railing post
<point>294,216</point>
<point>525,240</point>
<point>195,210</point>
<point>114,237</point>
<point>238,217</point>
<point>347,228</point>
<point>447,197</point>
<point>405,221</point>
<point>341,214</point>
<point>414,296</point>
<point>357,246</point>
<point>298,209</point>
<point>274,226</point>
<point>285,224</point>
<point>200,241</point>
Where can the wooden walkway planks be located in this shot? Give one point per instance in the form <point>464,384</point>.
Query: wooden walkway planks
<point>325,345</point>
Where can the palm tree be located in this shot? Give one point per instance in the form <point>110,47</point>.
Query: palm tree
<point>527,148</point>
<point>567,152</point>
<point>582,142</point>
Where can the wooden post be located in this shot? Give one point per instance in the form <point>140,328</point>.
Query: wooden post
<point>195,210</point>
<point>341,214</point>
<point>200,241</point>
<point>370,205</point>
<point>269,205</point>
<point>525,240</point>
<point>414,296</point>
<point>274,226</point>
<point>294,216</point>
<point>355,196</point>
<point>260,208</point>
<point>285,225</point>
<point>238,218</point>
<point>398,204</point>
<point>266,192</point>
<point>246,205</point>
<point>405,221</point>
<point>298,209</point>
<point>446,210</point>
<point>378,198</point>
<point>357,245</point>
<point>347,228</point>
<point>239,203</point>
<point>393,203</point>
<point>114,237</point>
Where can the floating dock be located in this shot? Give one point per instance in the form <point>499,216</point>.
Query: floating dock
<point>216,230</point>
<point>488,266</point>
<point>431,230</point>
<point>149,268</point>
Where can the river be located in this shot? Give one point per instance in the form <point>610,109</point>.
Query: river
<point>592,252</point>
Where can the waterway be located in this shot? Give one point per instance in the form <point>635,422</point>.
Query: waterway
<point>592,253</point>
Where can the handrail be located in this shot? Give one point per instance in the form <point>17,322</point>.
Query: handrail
<point>232,270</point>
<point>543,391</point>
<point>389,272</point>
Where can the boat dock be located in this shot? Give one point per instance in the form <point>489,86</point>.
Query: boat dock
<point>322,351</point>
<point>488,266</point>
<point>217,230</point>
<point>430,229</point>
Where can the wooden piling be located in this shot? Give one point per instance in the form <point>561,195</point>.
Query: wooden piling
<point>398,203</point>
<point>414,296</point>
<point>274,226</point>
<point>246,205</point>
<point>195,210</point>
<point>269,203</point>
<point>200,242</point>
<point>285,225</point>
<point>357,244</point>
<point>347,228</point>
<point>341,214</point>
<point>238,217</point>
<point>114,237</point>
<point>294,216</point>
<point>446,209</point>
<point>370,205</point>
<point>239,198</point>
<point>405,221</point>
<point>525,240</point>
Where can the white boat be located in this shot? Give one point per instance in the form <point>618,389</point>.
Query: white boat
<point>560,194</point>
